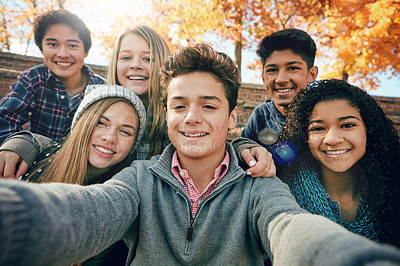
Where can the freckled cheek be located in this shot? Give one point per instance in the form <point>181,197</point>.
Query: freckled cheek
<point>363,145</point>
<point>269,80</point>
<point>92,138</point>
<point>174,120</point>
<point>121,69</point>
<point>150,70</point>
<point>311,138</point>
<point>96,134</point>
<point>312,142</point>
<point>127,145</point>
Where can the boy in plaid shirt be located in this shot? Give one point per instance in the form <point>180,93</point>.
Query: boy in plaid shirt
<point>46,96</point>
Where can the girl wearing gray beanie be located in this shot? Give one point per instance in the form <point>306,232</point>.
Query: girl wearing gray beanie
<point>106,128</point>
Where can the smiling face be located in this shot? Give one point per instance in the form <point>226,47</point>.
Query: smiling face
<point>284,74</point>
<point>113,137</point>
<point>133,65</point>
<point>63,52</point>
<point>336,135</point>
<point>198,117</point>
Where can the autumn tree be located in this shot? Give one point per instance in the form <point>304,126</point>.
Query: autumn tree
<point>244,22</point>
<point>362,40</point>
<point>189,21</point>
<point>183,22</point>
<point>17,19</point>
<point>4,33</point>
<point>359,39</point>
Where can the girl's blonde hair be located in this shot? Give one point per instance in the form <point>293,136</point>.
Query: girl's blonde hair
<point>70,163</point>
<point>159,52</point>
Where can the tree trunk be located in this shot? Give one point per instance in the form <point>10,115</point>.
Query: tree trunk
<point>61,3</point>
<point>345,76</point>
<point>238,56</point>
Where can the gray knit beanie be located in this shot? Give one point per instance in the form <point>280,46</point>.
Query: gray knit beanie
<point>94,93</point>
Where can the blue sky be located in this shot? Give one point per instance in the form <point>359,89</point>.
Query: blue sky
<point>389,87</point>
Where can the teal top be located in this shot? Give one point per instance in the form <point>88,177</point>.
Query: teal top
<point>303,177</point>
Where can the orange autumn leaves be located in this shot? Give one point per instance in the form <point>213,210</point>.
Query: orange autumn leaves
<point>359,39</point>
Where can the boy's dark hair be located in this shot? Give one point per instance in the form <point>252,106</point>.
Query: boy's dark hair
<point>61,16</point>
<point>202,58</point>
<point>298,41</point>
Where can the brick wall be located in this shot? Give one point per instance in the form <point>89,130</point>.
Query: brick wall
<point>250,95</point>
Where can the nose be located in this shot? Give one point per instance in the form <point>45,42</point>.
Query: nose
<point>192,117</point>
<point>110,136</point>
<point>333,137</point>
<point>136,63</point>
<point>282,77</point>
<point>63,51</point>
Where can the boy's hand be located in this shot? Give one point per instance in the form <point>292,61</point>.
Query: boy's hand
<point>9,161</point>
<point>260,162</point>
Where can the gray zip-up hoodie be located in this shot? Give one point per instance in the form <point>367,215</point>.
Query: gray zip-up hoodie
<point>239,223</point>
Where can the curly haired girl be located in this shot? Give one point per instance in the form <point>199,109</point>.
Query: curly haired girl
<point>348,167</point>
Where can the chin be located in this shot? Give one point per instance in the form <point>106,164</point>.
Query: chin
<point>139,90</point>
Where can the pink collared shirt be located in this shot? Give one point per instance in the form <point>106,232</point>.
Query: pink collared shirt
<point>194,195</point>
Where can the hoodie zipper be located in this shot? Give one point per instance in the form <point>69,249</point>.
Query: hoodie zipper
<point>189,235</point>
<point>190,231</point>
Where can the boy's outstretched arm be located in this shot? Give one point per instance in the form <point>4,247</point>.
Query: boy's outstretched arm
<point>66,223</point>
<point>292,236</point>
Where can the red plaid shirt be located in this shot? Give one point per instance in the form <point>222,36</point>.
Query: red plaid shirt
<point>194,195</point>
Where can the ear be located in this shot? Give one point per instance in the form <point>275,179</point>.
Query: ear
<point>312,74</point>
<point>262,75</point>
<point>86,54</point>
<point>232,119</point>
<point>165,110</point>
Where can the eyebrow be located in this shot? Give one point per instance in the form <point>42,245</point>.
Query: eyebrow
<point>286,64</point>
<point>210,98</point>
<point>69,40</point>
<point>201,98</point>
<point>123,125</point>
<point>340,119</point>
<point>129,51</point>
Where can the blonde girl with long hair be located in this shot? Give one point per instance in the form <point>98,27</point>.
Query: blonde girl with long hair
<point>137,57</point>
<point>106,128</point>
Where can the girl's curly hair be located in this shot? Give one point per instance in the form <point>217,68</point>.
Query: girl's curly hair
<point>381,161</point>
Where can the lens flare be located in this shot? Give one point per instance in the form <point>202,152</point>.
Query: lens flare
<point>268,136</point>
<point>285,152</point>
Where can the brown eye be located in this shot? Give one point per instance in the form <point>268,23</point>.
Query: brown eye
<point>348,125</point>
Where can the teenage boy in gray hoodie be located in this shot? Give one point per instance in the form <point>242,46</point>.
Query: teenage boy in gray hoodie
<point>192,205</point>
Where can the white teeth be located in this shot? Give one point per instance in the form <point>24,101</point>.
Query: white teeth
<point>283,90</point>
<point>194,135</point>
<point>136,78</point>
<point>63,64</point>
<point>104,150</point>
<point>335,152</point>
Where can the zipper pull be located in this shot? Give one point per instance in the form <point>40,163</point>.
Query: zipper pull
<point>190,231</point>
